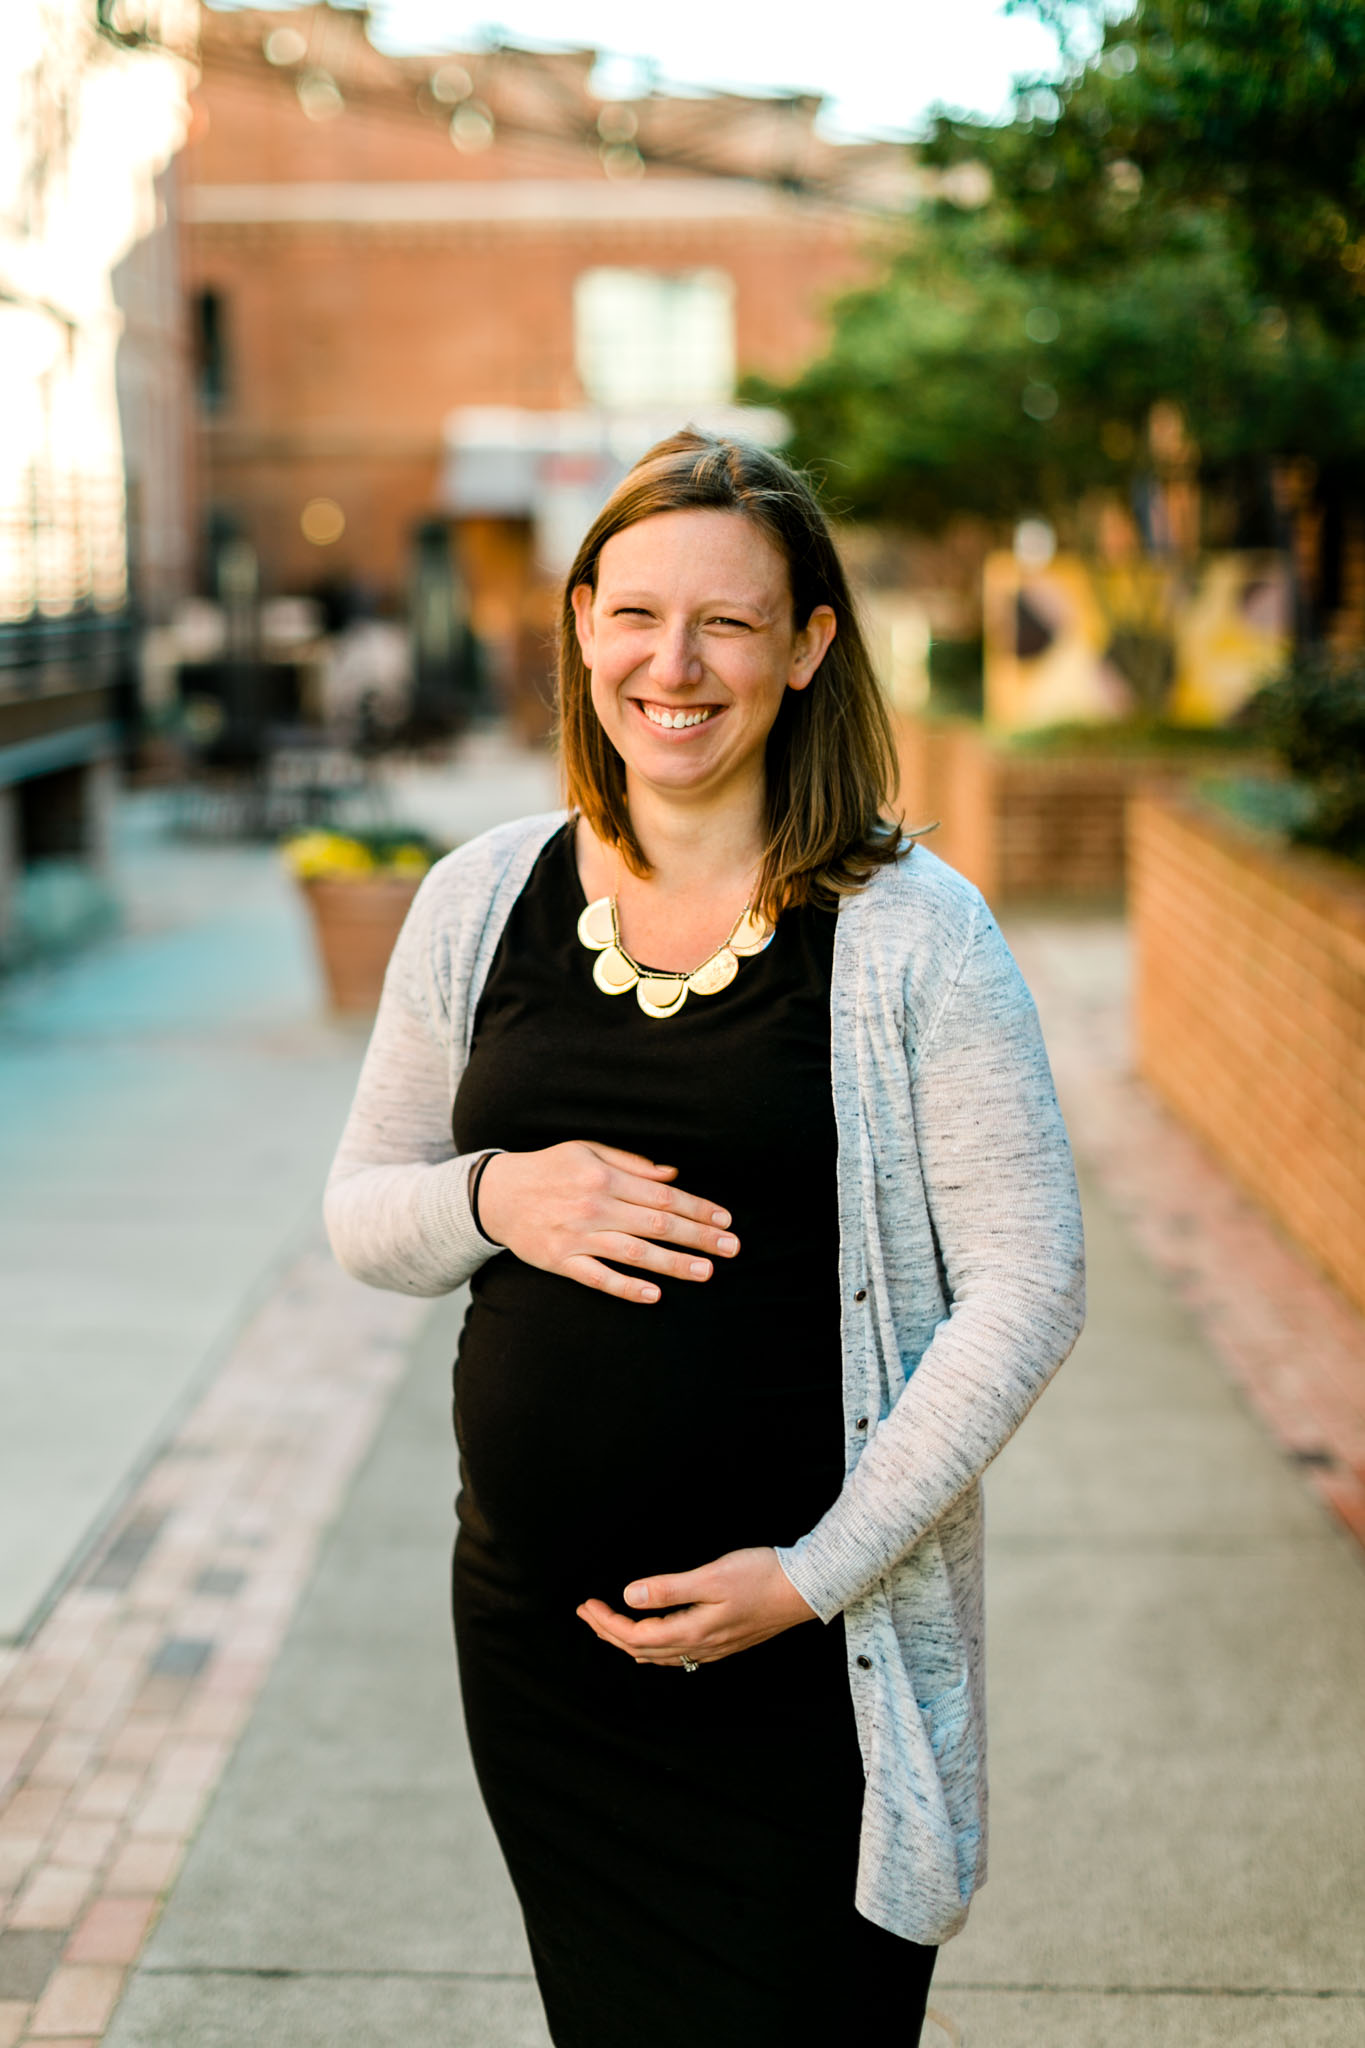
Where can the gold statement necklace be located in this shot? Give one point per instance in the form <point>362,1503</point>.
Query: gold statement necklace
<point>663,995</point>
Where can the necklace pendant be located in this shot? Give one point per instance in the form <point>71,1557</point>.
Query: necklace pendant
<point>714,974</point>
<point>613,973</point>
<point>597,925</point>
<point>751,934</point>
<point>661,995</point>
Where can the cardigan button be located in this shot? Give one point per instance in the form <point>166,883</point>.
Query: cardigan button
<point>861,1295</point>
<point>861,1423</point>
<point>864,1663</point>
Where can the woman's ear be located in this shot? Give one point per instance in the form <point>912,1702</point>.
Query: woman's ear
<point>583,595</point>
<point>811,645</point>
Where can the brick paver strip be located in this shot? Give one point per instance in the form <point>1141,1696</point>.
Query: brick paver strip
<point>51,1899</point>
<point>117,1719</point>
<point>113,1931</point>
<point>1287,1335</point>
<point>78,1999</point>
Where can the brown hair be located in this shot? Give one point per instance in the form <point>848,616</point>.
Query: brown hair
<point>831,761</point>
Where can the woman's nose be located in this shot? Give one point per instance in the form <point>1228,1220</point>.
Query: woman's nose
<point>674,661</point>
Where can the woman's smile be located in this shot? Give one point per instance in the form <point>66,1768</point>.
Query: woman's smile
<point>679,718</point>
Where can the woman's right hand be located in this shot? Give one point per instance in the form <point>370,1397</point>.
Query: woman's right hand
<point>572,1206</point>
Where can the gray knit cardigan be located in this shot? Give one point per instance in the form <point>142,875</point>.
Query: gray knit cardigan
<point>961,1269</point>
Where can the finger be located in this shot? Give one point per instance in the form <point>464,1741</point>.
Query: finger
<point>595,1626</point>
<point>638,1251</point>
<point>606,1622</point>
<point>615,1639</point>
<point>590,1272</point>
<point>649,1220</point>
<point>632,1162</point>
<point>647,1653</point>
<point>652,1633</point>
<point>672,1589</point>
<point>669,1201</point>
<point>661,1634</point>
<point>702,1649</point>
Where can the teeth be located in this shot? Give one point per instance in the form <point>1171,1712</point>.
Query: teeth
<point>673,720</point>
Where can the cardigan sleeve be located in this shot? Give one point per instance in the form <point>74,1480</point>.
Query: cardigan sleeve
<point>1002,1198</point>
<point>397,1204</point>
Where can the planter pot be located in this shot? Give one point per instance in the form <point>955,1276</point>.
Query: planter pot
<point>1250,1014</point>
<point>355,924</point>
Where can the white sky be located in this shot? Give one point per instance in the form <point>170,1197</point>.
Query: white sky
<point>881,63</point>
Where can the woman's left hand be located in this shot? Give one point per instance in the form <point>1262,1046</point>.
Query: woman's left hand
<point>737,1601</point>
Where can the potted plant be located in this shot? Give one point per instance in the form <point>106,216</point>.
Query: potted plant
<point>358,886</point>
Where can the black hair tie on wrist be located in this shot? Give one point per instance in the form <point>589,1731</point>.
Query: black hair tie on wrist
<point>474,1180</point>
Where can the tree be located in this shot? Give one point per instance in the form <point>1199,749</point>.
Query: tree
<point>1010,357</point>
<point>962,382</point>
<point>1253,110</point>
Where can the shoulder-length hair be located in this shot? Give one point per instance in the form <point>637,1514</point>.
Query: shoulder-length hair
<point>831,759</point>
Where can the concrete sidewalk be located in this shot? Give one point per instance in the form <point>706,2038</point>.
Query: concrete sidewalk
<point>170,1101</point>
<point>1177,1626</point>
<point>1177,1677</point>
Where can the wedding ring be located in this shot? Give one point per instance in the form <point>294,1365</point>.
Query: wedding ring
<point>689,1663</point>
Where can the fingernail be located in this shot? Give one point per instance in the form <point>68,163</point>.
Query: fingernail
<point>727,1244</point>
<point>700,1268</point>
<point>720,1216</point>
<point>638,1596</point>
<point>649,1294</point>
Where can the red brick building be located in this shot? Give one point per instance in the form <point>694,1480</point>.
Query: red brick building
<point>466,288</point>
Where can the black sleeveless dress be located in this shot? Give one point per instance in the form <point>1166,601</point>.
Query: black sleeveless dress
<point>683,1846</point>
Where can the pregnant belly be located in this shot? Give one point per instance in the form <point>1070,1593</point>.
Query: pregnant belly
<point>601,1442</point>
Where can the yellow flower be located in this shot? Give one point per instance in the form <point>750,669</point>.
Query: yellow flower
<point>339,856</point>
<point>407,860</point>
<point>327,856</point>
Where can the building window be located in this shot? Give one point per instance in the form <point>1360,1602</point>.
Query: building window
<point>646,339</point>
<point>211,350</point>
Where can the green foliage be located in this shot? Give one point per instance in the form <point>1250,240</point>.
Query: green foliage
<point>1175,221</point>
<point>1253,110</point>
<point>1257,800</point>
<point>1313,717</point>
<point>956,678</point>
<point>1154,736</point>
<point>385,843</point>
<point>964,383</point>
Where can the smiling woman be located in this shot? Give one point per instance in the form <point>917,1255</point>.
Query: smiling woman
<point>717,1577</point>
<point>709,591</point>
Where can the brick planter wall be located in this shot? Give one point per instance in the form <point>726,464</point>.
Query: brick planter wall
<point>1250,1013</point>
<point>1025,825</point>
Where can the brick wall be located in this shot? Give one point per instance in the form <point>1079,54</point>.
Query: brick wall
<point>350,334</point>
<point>1251,1015</point>
<point>1023,825</point>
<point>350,344</point>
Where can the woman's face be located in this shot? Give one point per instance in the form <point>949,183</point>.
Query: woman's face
<point>691,644</point>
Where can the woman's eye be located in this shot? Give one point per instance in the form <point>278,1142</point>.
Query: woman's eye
<point>731,622</point>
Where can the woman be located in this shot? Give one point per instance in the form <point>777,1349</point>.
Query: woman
<point>732,1106</point>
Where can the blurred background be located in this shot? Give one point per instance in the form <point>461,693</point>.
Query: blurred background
<point>324,331</point>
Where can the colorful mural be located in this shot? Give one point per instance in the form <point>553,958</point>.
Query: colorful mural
<point>1094,642</point>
